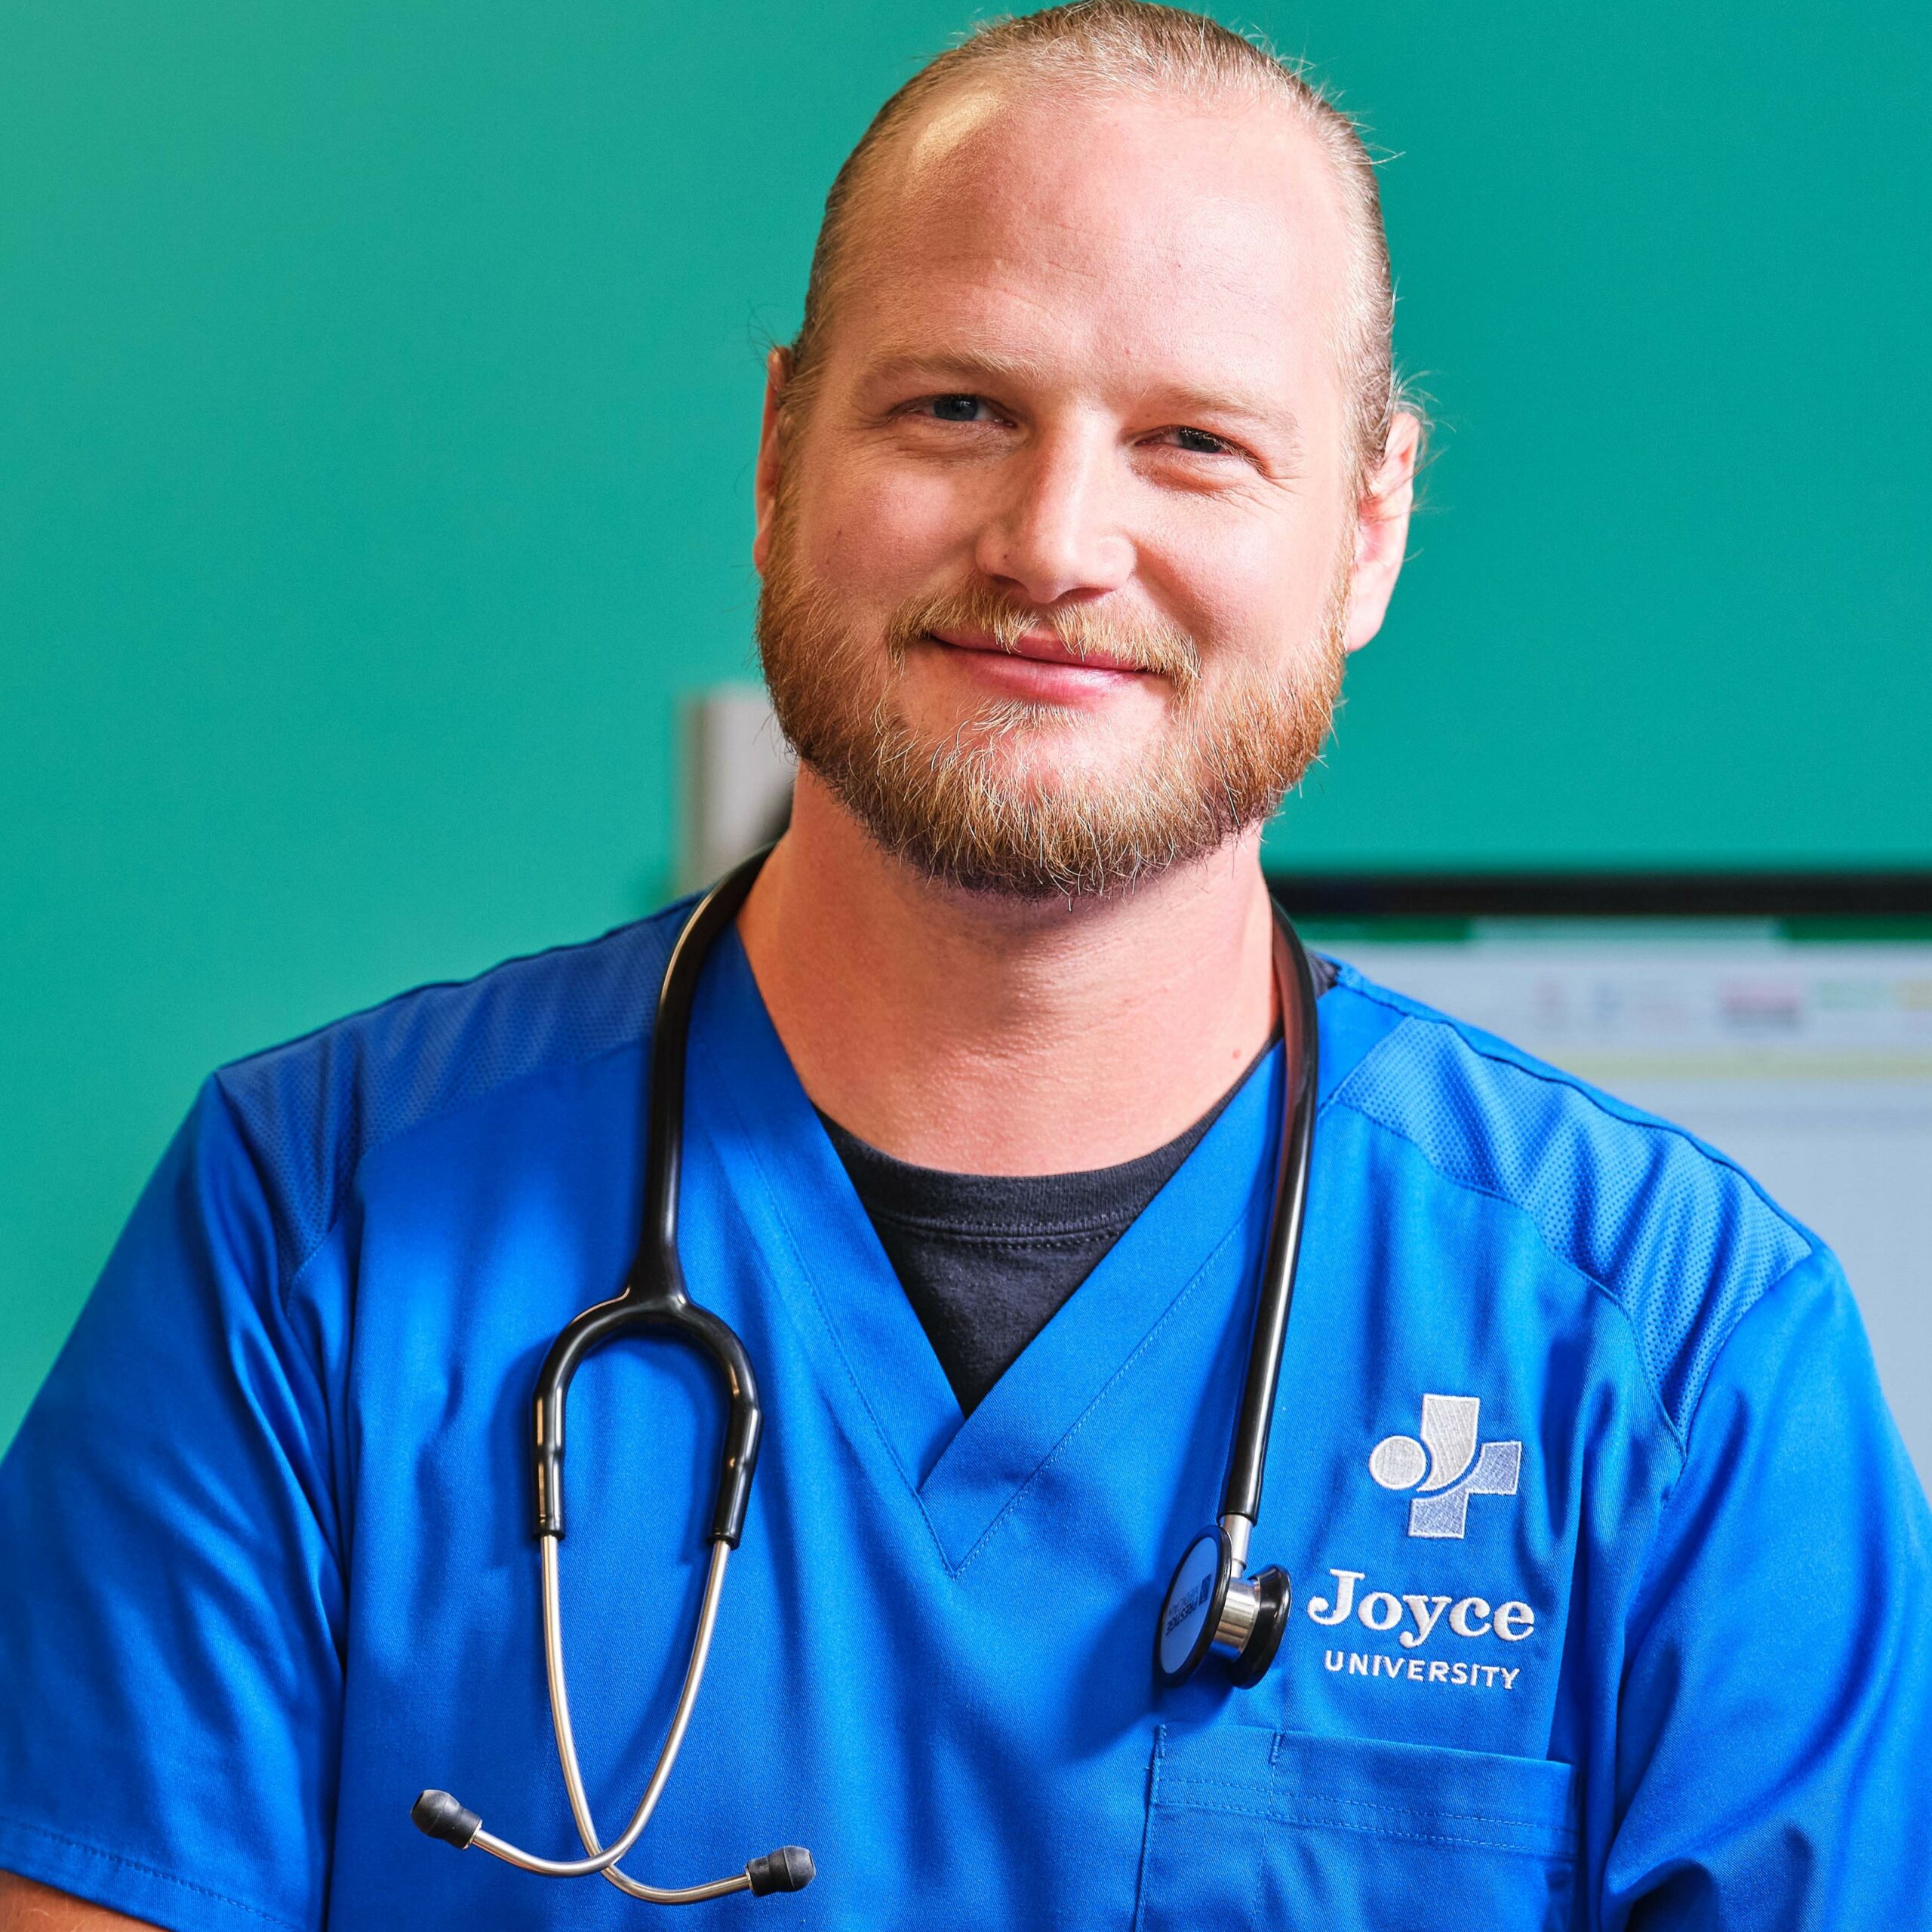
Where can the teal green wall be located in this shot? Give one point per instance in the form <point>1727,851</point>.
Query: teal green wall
<point>377,390</point>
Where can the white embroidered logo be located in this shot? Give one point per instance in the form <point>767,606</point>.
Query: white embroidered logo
<point>1441,1463</point>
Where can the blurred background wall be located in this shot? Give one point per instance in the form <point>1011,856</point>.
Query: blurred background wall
<point>378,388</point>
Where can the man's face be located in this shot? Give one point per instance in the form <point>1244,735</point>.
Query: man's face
<point>1056,554</point>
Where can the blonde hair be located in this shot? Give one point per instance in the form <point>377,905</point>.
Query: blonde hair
<point>1132,45</point>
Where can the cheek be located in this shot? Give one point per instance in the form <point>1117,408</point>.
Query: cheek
<point>1252,589</point>
<point>873,538</point>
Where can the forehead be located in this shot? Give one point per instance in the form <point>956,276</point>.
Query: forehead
<point>1163,236</point>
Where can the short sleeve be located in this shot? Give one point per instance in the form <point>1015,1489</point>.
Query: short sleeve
<point>1776,1711</point>
<point>171,1602</point>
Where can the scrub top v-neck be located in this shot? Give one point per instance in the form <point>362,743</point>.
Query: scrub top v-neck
<point>788,1193</point>
<point>987,1260</point>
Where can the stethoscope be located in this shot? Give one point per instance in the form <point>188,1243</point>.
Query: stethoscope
<point>1210,1604</point>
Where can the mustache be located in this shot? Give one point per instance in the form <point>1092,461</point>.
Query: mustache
<point>1139,640</point>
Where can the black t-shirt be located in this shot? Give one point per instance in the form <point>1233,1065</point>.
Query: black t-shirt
<point>987,1260</point>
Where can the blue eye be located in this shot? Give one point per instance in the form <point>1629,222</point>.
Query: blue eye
<point>956,408</point>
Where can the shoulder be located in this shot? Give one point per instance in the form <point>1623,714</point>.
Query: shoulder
<point>1677,1236</point>
<point>309,1112</point>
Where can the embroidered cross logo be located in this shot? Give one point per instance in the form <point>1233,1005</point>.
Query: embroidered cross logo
<point>1441,1464</point>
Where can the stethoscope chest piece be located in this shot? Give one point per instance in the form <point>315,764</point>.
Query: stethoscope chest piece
<point>1210,1607</point>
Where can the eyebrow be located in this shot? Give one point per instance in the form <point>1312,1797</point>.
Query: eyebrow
<point>966,367</point>
<point>974,368</point>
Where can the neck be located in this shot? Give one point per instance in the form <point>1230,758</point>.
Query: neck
<point>995,1036</point>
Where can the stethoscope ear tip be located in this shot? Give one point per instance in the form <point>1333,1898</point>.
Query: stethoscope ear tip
<point>789,1868</point>
<point>437,1815</point>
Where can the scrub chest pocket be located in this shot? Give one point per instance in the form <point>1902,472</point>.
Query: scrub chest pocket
<point>1250,1827</point>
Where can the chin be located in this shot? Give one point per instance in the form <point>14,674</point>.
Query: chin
<point>1044,751</point>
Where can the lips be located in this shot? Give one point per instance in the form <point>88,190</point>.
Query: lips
<point>1040,647</point>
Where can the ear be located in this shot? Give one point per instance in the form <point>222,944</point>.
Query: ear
<point>771,452</point>
<point>1382,530</point>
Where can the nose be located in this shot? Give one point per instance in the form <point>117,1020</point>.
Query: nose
<point>1057,533</point>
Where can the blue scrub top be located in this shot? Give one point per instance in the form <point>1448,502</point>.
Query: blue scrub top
<point>1611,1576</point>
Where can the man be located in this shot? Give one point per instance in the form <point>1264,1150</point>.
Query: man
<point>1610,1579</point>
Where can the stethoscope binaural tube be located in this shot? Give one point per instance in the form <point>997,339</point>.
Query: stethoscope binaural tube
<point>654,1302</point>
<point>1210,1604</point>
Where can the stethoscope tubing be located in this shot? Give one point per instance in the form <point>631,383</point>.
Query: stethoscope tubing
<point>654,1300</point>
<point>1248,1459</point>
